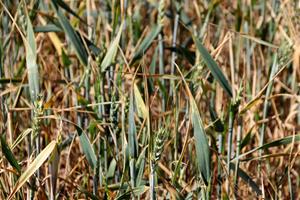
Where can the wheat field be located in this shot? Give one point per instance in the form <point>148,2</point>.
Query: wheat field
<point>156,99</point>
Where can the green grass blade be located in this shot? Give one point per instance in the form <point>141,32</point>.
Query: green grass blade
<point>71,33</point>
<point>35,165</point>
<point>33,74</point>
<point>246,140</point>
<point>242,174</point>
<point>189,55</point>
<point>140,51</point>
<point>213,67</point>
<point>47,28</point>
<point>9,155</point>
<point>152,71</point>
<point>112,51</point>
<point>275,143</point>
<point>111,169</point>
<point>259,41</point>
<point>136,192</point>
<point>202,148</point>
<point>86,147</point>
<point>201,143</point>
<point>217,123</point>
<point>140,166</point>
<point>9,80</point>
<point>132,140</point>
<point>282,141</point>
<point>132,143</point>
<point>274,68</point>
<point>65,6</point>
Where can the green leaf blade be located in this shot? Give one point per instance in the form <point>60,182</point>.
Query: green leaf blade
<point>275,143</point>
<point>112,51</point>
<point>9,155</point>
<point>87,148</point>
<point>201,143</point>
<point>246,178</point>
<point>213,67</point>
<point>71,33</point>
<point>155,30</point>
<point>33,74</point>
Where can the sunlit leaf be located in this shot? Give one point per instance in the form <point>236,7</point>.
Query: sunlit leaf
<point>112,51</point>
<point>35,165</point>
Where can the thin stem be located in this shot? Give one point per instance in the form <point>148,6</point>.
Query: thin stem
<point>238,147</point>
<point>229,147</point>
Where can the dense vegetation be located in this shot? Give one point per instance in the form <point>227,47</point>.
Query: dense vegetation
<point>163,99</point>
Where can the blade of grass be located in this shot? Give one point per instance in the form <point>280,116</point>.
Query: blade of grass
<point>201,143</point>
<point>84,141</point>
<point>33,74</point>
<point>275,143</point>
<point>35,165</point>
<point>47,28</point>
<point>202,148</point>
<point>33,79</point>
<point>9,155</point>
<point>266,102</point>
<point>86,147</point>
<point>140,165</point>
<point>257,98</point>
<point>136,191</point>
<point>54,164</point>
<point>20,138</point>
<point>132,140</point>
<point>242,174</point>
<point>140,104</point>
<point>213,67</point>
<point>112,51</point>
<point>140,51</point>
<point>65,6</point>
<point>259,41</point>
<point>73,36</point>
